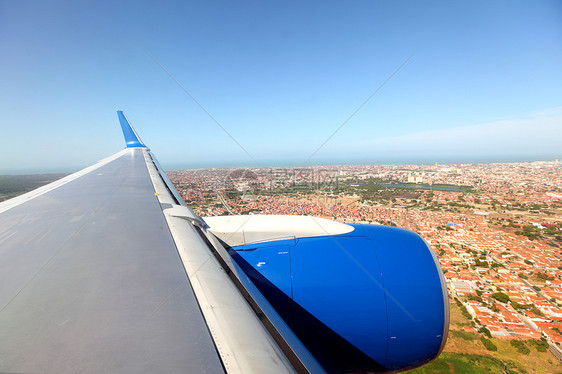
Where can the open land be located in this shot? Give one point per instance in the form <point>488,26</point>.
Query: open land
<point>14,185</point>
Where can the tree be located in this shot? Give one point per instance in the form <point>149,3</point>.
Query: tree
<point>501,297</point>
<point>475,298</point>
<point>518,306</point>
<point>544,276</point>
<point>521,347</point>
<point>488,344</point>
<point>541,345</point>
<point>485,331</point>
<point>537,311</point>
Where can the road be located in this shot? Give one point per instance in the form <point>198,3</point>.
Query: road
<point>555,351</point>
<point>223,202</point>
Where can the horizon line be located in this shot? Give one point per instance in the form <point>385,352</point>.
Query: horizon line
<point>169,167</point>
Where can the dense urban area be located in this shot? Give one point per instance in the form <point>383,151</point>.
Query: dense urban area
<point>496,229</point>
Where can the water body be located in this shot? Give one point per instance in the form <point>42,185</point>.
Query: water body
<point>413,186</point>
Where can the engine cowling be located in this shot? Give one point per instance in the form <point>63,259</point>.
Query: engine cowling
<point>362,298</point>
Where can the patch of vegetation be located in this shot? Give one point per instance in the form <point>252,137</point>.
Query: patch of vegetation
<point>518,306</point>
<point>540,345</point>
<point>482,264</point>
<point>475,298</point>
<point>374,190</point>
<point>530,232</point>
<point>466,206</point>
<point>552,230</point>
<point>485,331</point>
<point>463,309</point>
<point>465,335</point>
<point>543,276</point>
<point>529,307</point>
<point>537,311</point>
<point>461,363</point>
<point>501,297</point>
<point>489,344</point>
<point>521,347</point>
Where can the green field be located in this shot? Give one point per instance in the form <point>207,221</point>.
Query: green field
<point>460,363</point>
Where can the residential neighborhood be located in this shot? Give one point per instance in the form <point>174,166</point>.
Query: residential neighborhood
<point>494,227</point>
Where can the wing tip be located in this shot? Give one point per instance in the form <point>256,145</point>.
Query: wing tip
<point>132,140</point>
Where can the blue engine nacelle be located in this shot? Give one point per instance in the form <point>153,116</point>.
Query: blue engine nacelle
<point>370,300</point>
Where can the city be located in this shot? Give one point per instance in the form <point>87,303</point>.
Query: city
<point>494,227</point>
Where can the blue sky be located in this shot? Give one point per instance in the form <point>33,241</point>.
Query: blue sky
<point>484,81</point>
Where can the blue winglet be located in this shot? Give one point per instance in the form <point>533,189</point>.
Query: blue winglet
<point>131,138</point>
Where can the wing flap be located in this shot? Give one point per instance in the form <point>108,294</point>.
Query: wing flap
<point>243,342</point>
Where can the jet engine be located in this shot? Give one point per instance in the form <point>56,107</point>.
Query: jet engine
<point>361,298</point>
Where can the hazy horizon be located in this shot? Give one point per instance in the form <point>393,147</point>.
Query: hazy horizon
<point>281,164</point>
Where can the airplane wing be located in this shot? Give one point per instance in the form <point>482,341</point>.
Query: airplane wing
<point>93,280</point>
<point>107,270</point>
